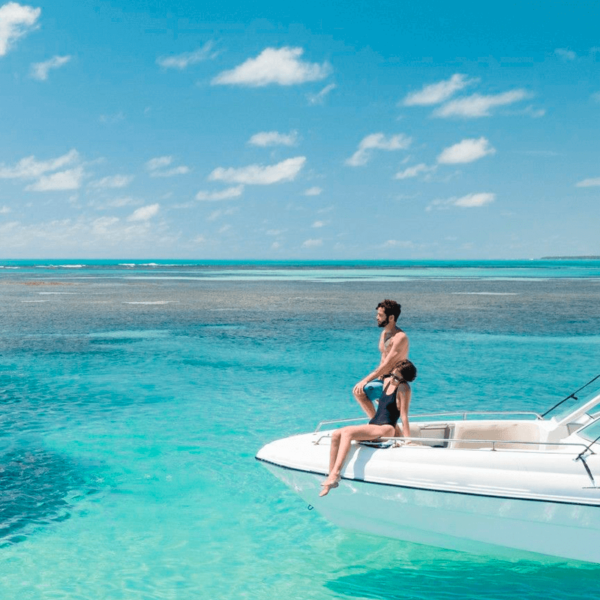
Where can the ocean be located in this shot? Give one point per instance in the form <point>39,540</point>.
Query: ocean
<point>134,395</point>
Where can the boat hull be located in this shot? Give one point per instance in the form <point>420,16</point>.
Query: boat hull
<point>453,519</point>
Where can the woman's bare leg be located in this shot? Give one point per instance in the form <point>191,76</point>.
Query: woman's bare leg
<point>342,447</point>
<point>335,444</point>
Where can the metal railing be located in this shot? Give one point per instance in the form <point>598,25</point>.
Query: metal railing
<point>464,415</point>
<point>447,441</point>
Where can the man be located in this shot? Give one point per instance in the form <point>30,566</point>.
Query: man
<point>393,345</point>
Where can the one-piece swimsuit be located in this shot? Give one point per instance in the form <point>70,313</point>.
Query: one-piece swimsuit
<point>387,410</point>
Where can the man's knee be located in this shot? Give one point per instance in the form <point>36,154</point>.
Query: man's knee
<point>336,435</point>
<point>360,396</point>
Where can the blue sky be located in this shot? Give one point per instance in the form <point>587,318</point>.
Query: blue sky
<point>313,131</point>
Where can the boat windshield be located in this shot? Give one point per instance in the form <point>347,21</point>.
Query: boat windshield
<point>576,401</point>
<point>592,432</point>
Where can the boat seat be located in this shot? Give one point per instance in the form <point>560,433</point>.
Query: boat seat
<point>497,431</point>
<point>439,431</point>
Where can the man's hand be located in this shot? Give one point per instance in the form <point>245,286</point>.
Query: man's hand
<point>359,388</point>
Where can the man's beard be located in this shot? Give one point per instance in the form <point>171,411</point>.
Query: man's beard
<point>383,323</point>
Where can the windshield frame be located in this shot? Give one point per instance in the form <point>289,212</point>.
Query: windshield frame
<point>590,438</point>
<point>583,404</point>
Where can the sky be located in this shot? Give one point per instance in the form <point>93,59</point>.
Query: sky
<point>339,130</point>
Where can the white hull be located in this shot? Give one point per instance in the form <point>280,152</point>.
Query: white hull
<point>475,501</point>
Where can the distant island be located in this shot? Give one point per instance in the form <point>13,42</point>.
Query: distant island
<point>570,258</point>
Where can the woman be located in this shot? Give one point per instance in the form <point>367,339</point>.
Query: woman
<point>393,405</point>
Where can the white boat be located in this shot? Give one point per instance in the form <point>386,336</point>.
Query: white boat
<point>466,481</point>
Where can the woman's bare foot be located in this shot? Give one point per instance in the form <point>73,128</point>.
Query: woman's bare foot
<point>329,485</point>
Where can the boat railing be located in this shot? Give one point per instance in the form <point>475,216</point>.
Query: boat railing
<point>443,442</point>
<point>464,414</point>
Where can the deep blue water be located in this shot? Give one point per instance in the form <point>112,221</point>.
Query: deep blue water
<point>134,398</point>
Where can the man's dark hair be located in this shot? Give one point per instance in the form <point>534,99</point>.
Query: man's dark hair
<point>407,370</point>
<point>390,307</point>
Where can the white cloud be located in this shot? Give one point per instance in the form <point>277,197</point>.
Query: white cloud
<point>468,201</point>
<point>120,202</point>
<point>313,191</point>
<point>319,97</point>
<point>377,141</point>
<point>113,181</point>
<point>413,171</point>
<point>98,236</point>
<point>40,70</point>
<point>312,243</point>
<point>215,214</point>
<point>398,244</point>
<point>15,21</point>
<point>596,96</point>
<point>479,105</point>
<point>226,194</point>
<point>274,66</point>
<point>275,231</point>
<point>286,170</point>
<point>4,210</point>
<point>63,180</point>
<point>589,182</point>
<point>533,112</point>
<point>466,151</point>
<point>159,162</point>
<point>181,170</point>
<point>437,93</point>
<point>471,200</point>
<point>30,168</point>
<point>144,213</point>
<point>182,61</point>
<point>318,224</point>
<point>156,167</point>
<point>273,138</point>
<point>565,54</point>
<point>275,246</point>
<point>112,119</point>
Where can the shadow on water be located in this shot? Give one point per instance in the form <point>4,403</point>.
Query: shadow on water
<point>37,488</point>
<point>472,577</point>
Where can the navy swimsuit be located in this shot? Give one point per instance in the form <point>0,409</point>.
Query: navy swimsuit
<point>387,410</point>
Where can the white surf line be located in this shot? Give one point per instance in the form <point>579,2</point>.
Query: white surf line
<point>155,302</point>
<point>485,294</point>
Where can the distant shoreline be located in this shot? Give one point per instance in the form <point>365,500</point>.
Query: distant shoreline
<point>570,258</point>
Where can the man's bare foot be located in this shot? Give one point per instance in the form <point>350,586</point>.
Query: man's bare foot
<point>328,485</point>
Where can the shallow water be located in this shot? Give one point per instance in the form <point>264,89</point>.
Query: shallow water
<point>132,409</point>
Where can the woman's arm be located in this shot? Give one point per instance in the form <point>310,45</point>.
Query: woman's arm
<point>402,402</point>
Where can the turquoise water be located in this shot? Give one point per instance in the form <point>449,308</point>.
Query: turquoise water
<point>134,398</point>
